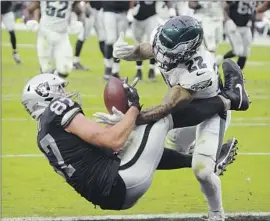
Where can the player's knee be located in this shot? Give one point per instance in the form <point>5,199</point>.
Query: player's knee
<point>238,50</point>
<point>203,167</point>
<point>110,40</point>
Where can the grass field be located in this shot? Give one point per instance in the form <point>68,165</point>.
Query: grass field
<point>31,188</point>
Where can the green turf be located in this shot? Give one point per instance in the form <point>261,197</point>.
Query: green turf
<point>31,188</point>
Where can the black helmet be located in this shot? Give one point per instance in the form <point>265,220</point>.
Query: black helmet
<point>178,39</point>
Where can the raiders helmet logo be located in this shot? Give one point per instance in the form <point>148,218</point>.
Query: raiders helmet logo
<point>43,89</point>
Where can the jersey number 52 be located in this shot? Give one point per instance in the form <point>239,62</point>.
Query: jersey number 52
<point>56,8</point>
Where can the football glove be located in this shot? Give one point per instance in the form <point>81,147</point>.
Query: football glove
<point>132,94</point>
<point>122,49</point>
<point>32,25</point>
<point>110,119</point>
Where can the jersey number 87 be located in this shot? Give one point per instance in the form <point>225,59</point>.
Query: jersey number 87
<point>56,9</point>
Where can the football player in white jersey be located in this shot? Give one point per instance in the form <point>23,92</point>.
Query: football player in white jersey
<point>209,13</point>
<point>53,43</point>
<point>190,70</point>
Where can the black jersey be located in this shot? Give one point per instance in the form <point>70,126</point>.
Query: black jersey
<point>242,12</point>
<point>90,170</point>
<point>146,10</point>
<point>115,6</point>
<point>5,6</point>
<point>96,4</point>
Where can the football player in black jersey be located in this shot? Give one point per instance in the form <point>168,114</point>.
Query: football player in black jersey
<point>238,17</point>
<point>88,155</point>
<point>8,19</point>
<point>115,22</point>
<point>145,21</point>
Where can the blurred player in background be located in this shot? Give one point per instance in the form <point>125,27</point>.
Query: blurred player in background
<point>53,40</point>
<point>238,17</point>
<point>93,18</point>
<point>115,22</point>
<point>182,8</point>
<point>8,18</point>
<point>263,7</point>
<point>145,21</point>
<point>209,13</point>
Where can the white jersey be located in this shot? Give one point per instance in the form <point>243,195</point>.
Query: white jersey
<point>55,15</point>
<point>198,74</point>
<point>211,9</point>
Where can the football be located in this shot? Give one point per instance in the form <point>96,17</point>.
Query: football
<point>115,95</point>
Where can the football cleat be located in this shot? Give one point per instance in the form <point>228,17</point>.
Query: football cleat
<point>151,75</point>
<point>138,74</point>
<point>107,73</point>
<point>227,156</point>
<point>79,66</point>
<point>234,88</point>
<point>216,216</point>
<point>16,57</point>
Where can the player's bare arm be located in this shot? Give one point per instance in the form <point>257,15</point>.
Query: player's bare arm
<point>142,51</point>
<point>226,11</point>
<point>263,7</point>
<point>111,137</point>
<point>32,6</point>
<point>178,97</point>
<point>194,5</point>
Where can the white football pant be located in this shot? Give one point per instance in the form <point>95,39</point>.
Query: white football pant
<point>53,47</point>
<point>8,20</point>
<point>140,158</point>
<point>240,40</point>
<point>114,24</point>
<point>142,30</point>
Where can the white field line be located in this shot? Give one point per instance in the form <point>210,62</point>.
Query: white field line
<point>33,46</point>
<point>238,124</point>
<point>134,217</point>
<point>41,155</point>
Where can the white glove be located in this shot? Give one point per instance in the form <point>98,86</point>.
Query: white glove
<point>230,26</point>
<point>32,25</point>
<point>110,119</point>
<point>122,49</point>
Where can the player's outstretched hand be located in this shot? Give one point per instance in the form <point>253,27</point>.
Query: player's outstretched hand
<point>110,119</point>
<point>132,94</point>
<point>122,49</point>
<point>32,25</point>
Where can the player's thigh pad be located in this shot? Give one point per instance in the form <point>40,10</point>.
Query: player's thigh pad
<point>247,40</point>
<point>44,52</point>
<point>236,41</point>
<point>180,139</point>
<point>86,30</point>
<point>141,157</point>
<point>209,136</point>
<point>63,55</point>
<point>150,24</point>
<point>137,30</point>
<point>209,34</point>
<point>110,26</point>
<point>122,23</point>
<point>99,25</point>
<point>9,20</point>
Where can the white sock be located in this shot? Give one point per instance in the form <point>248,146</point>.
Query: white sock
<point>212,192</point>
<point>115,68</point>
<point>76,59</point>
<point>107,63</point>
<point>139,67</point>
<point>151,66</point>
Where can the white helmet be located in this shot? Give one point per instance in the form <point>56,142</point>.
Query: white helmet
<point>41,90</point>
